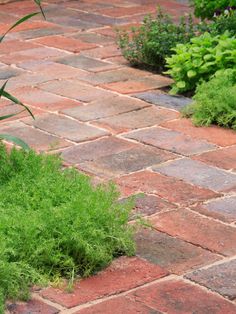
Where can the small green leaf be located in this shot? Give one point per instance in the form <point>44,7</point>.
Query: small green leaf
<point>15,140</point>
<point>181,84</point>
<point>3,88</point>
<point>191,73</point>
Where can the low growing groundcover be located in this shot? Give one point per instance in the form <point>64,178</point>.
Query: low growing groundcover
<point>54,223</point>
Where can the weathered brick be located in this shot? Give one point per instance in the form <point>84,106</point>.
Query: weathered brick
<point>122,275</point>
<point>220,278</point>
<point>95,149</point>
<point>127,161</point>
<point>124,11</point>
<point>221,208</point>
<point>119,305</point>
<point>180,297</point>
<point>139,84</point>
<point>76,90</point>
<point>223,158</point>
<point>121,74</point>
<point>147,205</point>
<point>200,174</point>
<point>31,54</point>
<point>37,33</point>
<point>171,253</point>
<point>213,134</point>
<point>164,100</point>
<point>36,139</point>
<point>32,306</point>
<point>86,63</point>
<point>66,128</point>
<point>102,52</point>
<point>8,72</point>
<point>44,100</point>
<point>104,108</point>
<point>171,189</point>
<point>16,45</point>
<point>64,43</point>
<point>136,119</point>
<point>171,140</point>
<point>94,38</point>
<point>199,230</point>
<point>52,69</point>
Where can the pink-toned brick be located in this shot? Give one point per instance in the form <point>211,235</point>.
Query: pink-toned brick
<point>123,274</point>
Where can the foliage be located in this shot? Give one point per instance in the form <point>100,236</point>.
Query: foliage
<point>205,9</point>
<point>199,59</point>
<point>215,101</point>
<point>220,24</point>
<point>151,43</point>
<point>54,223</point>
<point>5,94</point>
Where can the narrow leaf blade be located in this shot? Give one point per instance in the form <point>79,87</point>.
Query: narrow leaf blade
<point>15,140</point>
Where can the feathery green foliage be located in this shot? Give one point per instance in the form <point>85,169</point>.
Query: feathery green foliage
<point>54,223</point>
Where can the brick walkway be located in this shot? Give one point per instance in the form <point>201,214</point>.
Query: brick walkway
<point>115,122</point>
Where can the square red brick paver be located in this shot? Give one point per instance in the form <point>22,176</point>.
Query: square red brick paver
<point>115,121</point>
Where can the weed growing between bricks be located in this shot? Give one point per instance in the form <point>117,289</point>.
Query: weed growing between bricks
<point>54,224</point>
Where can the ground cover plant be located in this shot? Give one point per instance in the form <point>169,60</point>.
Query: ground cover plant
<point>54,223</point>
<point>198,60</point>
<point>150,44</point>
<point>215,101</point>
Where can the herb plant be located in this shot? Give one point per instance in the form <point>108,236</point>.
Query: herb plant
<point>198,60</point>
<point>149,44</point>
<point>215,101</point>
<point>54,223</point>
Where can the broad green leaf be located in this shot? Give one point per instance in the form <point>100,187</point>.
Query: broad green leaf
<point>15,140</point>
<point>8,116</point>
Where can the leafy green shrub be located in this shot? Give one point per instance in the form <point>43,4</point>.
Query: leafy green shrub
<point>220,24</point>
<point>215,101</point>
<point>53,223</point>
<point>205,9</point>
<point>151,43</point>
<point>199,59</point>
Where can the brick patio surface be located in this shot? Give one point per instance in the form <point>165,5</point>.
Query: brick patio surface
<point>117,123</point>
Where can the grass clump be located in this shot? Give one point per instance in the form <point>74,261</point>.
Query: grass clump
<point>215,101</point>
<point>54,223</point>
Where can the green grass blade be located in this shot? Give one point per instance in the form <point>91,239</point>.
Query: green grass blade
<point>38,2</point>
<point>8,116</point>
<point>20,21</point>
<point>3,88</point>
<point>16,101</point>
<point>15,140</point>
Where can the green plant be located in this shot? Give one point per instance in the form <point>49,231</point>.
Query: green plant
<point>151,43</point>
<point>215,101</point>
<point>205,9</point>
<point>54,223</point>
<point>7,95</point>
<point>199,59</point>
<point>220,24</point>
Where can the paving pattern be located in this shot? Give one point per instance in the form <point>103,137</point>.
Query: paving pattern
<point>117,123</point>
